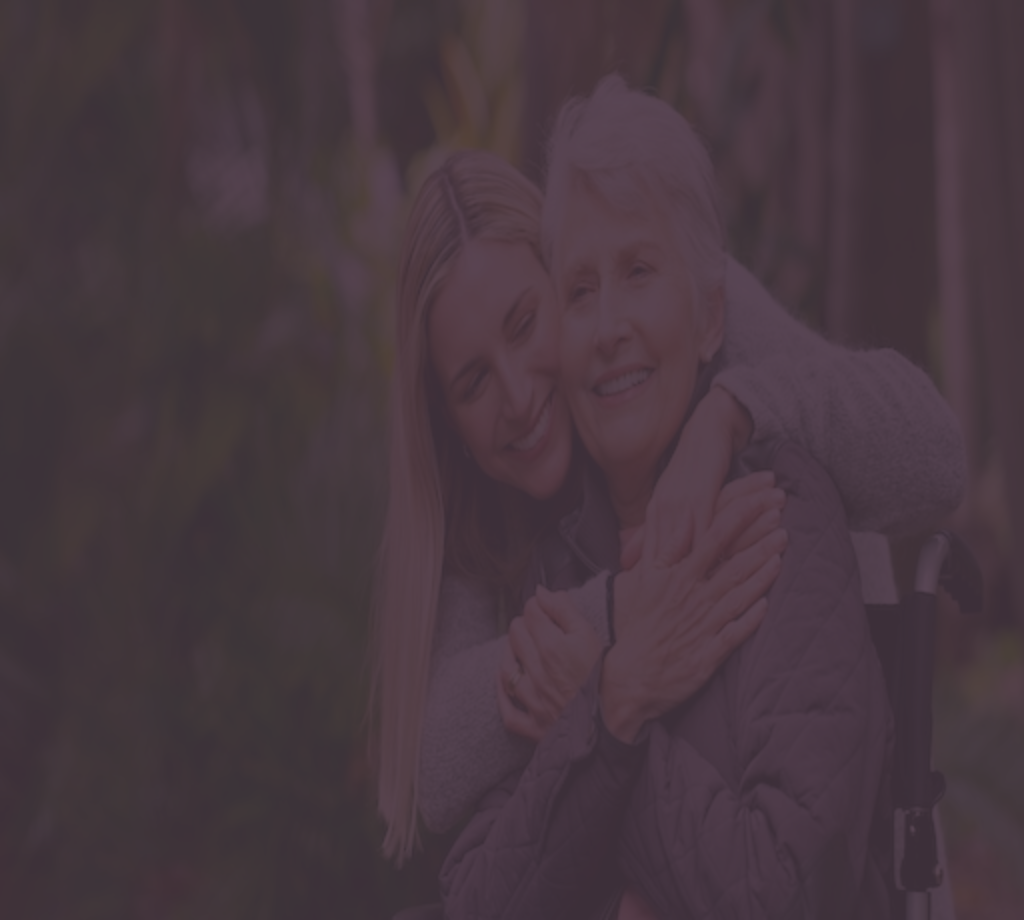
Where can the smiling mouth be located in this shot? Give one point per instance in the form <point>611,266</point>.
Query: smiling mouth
<point>540,429</point>
<point>623,382</point>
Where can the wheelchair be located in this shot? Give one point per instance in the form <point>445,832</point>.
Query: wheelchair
<point>904,638</point>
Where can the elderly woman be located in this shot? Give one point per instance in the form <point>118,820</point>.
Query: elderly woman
<point>748,792</point>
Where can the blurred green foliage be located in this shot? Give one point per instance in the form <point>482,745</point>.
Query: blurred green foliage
<point>192,394</point>
<point>979,744</point>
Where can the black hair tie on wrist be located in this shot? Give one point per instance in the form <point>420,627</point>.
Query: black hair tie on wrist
<point>610,606</point>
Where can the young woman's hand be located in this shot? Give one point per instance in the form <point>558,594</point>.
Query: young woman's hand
<point>550,651</point>
<point>677,621</point>
<point>687,493</point>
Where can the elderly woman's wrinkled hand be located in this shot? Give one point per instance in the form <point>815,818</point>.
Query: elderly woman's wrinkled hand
<point>550,651</point>
<point>678,621</point>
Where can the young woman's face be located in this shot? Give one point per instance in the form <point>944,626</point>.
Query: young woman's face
<point>632,338</point>
<point>493,340</point>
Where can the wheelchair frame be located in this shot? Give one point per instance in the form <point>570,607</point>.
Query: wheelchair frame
<point>904,638</point>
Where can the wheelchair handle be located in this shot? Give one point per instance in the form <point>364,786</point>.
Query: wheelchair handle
<point>945,561</point>
<point>930,562</point>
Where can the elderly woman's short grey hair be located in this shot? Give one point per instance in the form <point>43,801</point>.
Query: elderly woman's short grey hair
<point>636,152</point>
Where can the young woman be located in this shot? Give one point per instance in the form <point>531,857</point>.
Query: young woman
<point>484,463</point>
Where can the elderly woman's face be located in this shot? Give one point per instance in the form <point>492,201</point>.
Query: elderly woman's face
<point>631,337</point>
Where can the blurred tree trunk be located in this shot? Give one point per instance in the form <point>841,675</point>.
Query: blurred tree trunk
<point>985,37</point>
<point>897,261</point>
<point>881,253</point>
<point>845,195</point>
<point>958,330</point>
<point>356,41</point>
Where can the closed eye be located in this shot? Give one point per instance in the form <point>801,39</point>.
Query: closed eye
<point>578,293</point>
<point>474,387</point>
<point>525,326</point>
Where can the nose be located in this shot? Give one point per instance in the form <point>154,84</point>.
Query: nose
<point>611,327</point>
<point>517,387</point>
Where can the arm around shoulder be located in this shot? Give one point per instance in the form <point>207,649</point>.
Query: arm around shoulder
<point>873,420</point>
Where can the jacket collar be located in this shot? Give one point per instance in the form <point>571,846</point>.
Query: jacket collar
<point>592,530</point>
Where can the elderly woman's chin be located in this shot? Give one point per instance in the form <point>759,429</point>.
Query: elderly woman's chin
<point>632,437</point>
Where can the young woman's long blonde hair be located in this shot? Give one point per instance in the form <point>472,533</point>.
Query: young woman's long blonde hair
<point>442,511</point>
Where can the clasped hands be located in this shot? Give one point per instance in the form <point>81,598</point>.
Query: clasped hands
<point>678,615</point>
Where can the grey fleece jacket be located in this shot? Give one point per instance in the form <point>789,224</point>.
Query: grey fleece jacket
<point>873,420</point>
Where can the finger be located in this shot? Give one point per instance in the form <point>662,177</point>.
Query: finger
<point>524,649</point>
<point>545,634</point>
<point>771,496</point>
<point>728,525</point>
<point>675,536</point>
<point>761,528</point>
<point>703,512</point>
<point>536,688</point>
<point>740,597</point>
<point>664,517</point>
<point>530,697</point>
<point>738,630</point>
<point>733,633</point>
<point>746,564</point>
<point>508,665</point>
<point>546,669</point>
<point>749,560</point>
<point>754,482</point>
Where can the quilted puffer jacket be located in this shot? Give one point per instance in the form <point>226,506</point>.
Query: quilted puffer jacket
<point>761,796</point>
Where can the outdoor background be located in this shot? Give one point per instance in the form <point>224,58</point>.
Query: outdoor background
<point>201,204</point>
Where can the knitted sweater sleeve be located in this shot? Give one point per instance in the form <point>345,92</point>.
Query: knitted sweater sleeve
<point>872,419</point>
<point>465,749</point>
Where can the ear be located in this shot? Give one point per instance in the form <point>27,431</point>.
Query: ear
<point>714,325</point>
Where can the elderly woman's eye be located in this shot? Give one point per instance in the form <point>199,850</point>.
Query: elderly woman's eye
<point>578,292</point>
<point>639,270</point>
